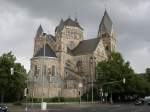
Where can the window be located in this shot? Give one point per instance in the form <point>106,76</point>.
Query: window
<point>79,66</point>
<point>53,70</point>
<point>72,32</point>
<point>35,69</point>
<point>45,71</point>
<point>104,35</point>
<point>107,48</point>
<point>49,71</point>
<point>70,84</point>
<point>66,74</point>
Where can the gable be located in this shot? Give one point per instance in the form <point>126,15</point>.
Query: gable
<point>100,51</point>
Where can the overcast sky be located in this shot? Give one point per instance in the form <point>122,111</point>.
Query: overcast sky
<point>19,20</point>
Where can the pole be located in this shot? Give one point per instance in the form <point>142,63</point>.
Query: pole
<point>91,67</point>
<point>33,90</point>
<point>80,96</point>
<point>26,109</point>
<point>87,97</point>
<point>92,88</point>
<point>111,101</point>
<point>43,73</point>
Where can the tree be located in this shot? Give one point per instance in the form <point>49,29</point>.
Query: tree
<point>147,74</point>
<point>115,68</point>
<point>11,86</point>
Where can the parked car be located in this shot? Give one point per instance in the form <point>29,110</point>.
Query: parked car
<point>147,99</point>
<point>139,101</point>
<point>3,108</point>
<point>148,103</point>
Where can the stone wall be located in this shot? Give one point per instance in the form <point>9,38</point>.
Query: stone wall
<point>52,82</point>
<point>71,36</point>
<point>71,93</point>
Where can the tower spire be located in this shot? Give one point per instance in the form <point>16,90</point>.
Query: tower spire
<point>105,25</point>
<point>76,16</point>
<point>39,31</point>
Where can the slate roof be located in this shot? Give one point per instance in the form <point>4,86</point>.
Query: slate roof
<point>51,36</point>
<point>86,46</point>
<point>68,22</point>
<point>106,21</point>
<point>48,52</point>
<point>71,22</point>
<point>39,31</point>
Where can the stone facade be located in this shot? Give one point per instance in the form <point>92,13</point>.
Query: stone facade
<point>61,62</point>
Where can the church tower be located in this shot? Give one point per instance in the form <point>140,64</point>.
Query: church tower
<point>69,33</point>
<point>39,40</point>
<point>107,34</point>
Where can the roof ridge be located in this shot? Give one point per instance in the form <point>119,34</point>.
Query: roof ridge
<point>86,46</point>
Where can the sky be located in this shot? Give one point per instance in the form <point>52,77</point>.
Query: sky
<point>19,20</point>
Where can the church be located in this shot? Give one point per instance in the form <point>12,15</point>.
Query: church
<point>63,65</point>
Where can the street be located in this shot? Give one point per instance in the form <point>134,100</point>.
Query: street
<point>85,108</point>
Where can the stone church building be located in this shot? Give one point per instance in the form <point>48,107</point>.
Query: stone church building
<point>61,61</point>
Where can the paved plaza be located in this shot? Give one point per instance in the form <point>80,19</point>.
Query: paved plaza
<point>84,108</point>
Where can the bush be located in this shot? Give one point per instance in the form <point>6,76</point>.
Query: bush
<point>72,99</point>
<point>17,103</point>
<point>54,99</point>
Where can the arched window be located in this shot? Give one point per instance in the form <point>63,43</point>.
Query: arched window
<point>45,71</point>
<point>79,66</point>
<point>107,48</point>
<point>53,70</point>
<point>49,71</point>
<point>35,69</point>
<point>66,74</point>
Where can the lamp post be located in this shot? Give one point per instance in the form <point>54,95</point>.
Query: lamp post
<point>93,71</point>
<point>101,94</point>
<point>80,87</point>
<point>43,104</point>
<point>91,66</point>
<point>34,89</point>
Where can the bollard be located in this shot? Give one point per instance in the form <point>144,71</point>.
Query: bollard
<point>43,106</point>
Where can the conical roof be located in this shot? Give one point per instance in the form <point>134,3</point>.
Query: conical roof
<point>39,31</point>
<point>48,52</point>
<point>106,23</point>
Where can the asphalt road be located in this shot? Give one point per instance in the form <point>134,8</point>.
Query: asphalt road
<point>86,108</point>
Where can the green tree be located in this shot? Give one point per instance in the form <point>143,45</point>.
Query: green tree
<point>11,86</point>
<point>115,68</point>
<point>147,74</point>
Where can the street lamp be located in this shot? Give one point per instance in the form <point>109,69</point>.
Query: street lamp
<point>91,63</point>
<point>80,87</point>
<point>93,71</point>
<point>12,71</point>
<point>124,80</point>
<point>101,93</point>
<point>43,104</point>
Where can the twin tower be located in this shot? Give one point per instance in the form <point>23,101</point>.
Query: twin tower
<point>62,61</point>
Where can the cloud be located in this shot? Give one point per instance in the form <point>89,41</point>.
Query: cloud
<point>19,20</point>
<point>18,31</point>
